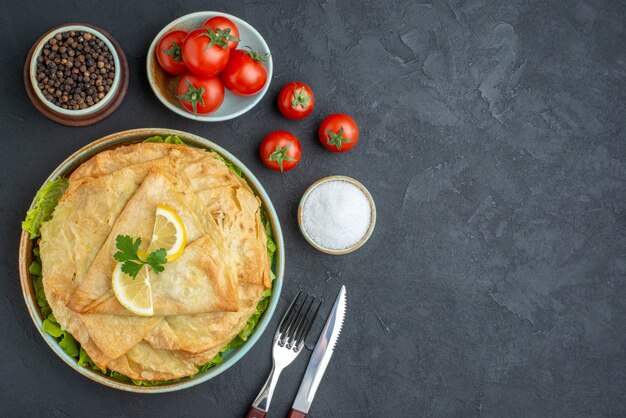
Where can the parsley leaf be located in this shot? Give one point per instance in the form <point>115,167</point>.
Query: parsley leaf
<point>127,248</point>
<point>131,268</point>
<point>156,259</point>
<point>127,254</point>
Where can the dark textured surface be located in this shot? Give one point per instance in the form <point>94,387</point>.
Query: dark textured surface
<point>493,142</point>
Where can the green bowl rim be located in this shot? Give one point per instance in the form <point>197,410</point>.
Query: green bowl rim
<point>136,135</point>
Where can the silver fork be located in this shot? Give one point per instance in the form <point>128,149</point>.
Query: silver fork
<point>288,342</point>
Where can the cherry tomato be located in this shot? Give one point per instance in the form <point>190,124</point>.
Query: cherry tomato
<point>228,29</point>
<point>281,151</point>
<point>204,52</point>
<point>245,74</point>
<point>169,52</point>
<point>338,132</point>
<point>200,95</point>
<point>296,100</point>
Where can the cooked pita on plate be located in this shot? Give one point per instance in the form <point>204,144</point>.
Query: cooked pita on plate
<point>202,300</point>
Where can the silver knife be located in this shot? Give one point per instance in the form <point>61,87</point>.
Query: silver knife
<point>322,353</point>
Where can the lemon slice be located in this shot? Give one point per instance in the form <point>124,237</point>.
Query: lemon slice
<point>134,294</point>
<point>168,233</point>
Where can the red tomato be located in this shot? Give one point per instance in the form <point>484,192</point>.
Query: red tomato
<point>245,74</point>
<point>169,53</point>
<point>296,100</point>
<point>204,52</point>
<point>200,95</point>
<point>281,151</point>
<point>228,29</point>
<point>338,132</point>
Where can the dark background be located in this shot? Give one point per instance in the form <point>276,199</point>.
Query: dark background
<point>492,139</point>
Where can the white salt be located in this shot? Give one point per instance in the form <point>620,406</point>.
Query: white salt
<point>336,215</point>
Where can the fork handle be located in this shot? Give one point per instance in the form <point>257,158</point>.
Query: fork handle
<point>294,413</point>
<point>262,402</point>
<point>255,413</point>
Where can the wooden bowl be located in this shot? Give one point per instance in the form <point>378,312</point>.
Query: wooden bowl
<point>362,241</point>
<point>164,85</point>
<point>89,115</point>
<point>231,356</point>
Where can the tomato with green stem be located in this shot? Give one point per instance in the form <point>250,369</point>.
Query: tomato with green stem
<point>169,52</point>
<point>281,151</point>
<point>226,26</point>
<point>338,132</point>
<point>200,95</point>
<point>245,74</point>
<point>296,100</point>
<point>205,52</point>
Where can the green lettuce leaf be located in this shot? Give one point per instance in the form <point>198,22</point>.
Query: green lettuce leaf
<point>216,360</point>
<point>69,344</point>
<point>271,245</point>
<point>170,139</point>
<point>231,166</point>
<point>85,361</point>
<point>46,200</point>
<point>35,274</point>
<point>35,268</point>
<point>65,339</point>
<point>51,326</point>
<point>40,297</point>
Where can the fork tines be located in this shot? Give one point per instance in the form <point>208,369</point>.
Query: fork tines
<point>297,322</point>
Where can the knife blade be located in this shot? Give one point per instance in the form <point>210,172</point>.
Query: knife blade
<point>322,353</point>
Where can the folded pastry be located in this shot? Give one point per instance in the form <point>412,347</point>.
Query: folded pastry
<point>202,300</point>
<point>198,282</point>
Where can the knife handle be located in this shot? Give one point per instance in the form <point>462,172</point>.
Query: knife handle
<point>255,413</point>
<point>294,413</point>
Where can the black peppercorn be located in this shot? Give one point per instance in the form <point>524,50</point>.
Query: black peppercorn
<point>75,70</point>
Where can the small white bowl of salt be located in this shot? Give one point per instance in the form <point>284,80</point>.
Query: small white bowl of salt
<point>336,215</point>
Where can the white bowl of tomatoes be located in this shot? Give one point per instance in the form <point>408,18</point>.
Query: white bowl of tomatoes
<point>209,66</point>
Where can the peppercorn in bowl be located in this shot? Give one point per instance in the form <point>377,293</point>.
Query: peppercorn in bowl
<point>77,74</point>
